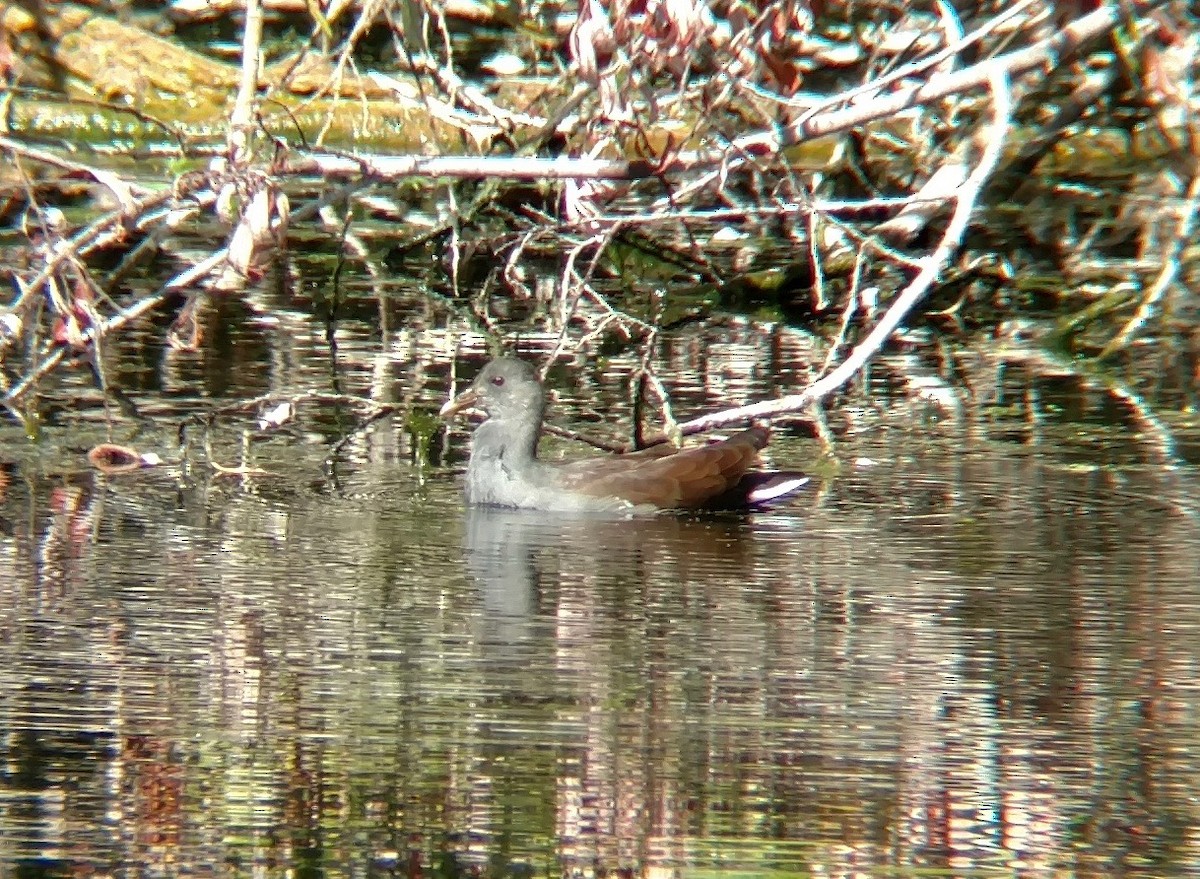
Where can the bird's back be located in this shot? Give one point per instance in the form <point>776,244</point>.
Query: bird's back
<point>664,477</point>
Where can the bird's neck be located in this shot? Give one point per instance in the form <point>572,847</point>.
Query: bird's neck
<point>504,470</point>
<point>511,441</point>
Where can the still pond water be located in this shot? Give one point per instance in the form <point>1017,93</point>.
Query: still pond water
<point>976,655</point>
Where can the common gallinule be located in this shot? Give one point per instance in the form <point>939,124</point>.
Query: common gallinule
<point>505,471</point>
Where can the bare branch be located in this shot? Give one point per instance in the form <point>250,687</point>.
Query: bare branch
<point>242,118</point>
<point>967,196</point>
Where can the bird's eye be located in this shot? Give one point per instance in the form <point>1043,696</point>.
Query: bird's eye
<point>498,381</point>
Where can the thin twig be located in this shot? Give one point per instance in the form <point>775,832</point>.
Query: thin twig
<point>242,118</point>
<point>1171,264</point>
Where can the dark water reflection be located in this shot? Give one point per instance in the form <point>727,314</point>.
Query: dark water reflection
<point>959,661</point>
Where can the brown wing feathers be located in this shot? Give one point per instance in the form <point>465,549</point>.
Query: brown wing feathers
<point>686,478</point>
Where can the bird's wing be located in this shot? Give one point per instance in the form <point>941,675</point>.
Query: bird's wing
<point>667,478</point>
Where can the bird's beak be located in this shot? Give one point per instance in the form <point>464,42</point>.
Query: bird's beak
<point>465,400</point>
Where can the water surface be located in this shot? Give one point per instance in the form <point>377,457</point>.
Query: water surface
<point>966,659</point>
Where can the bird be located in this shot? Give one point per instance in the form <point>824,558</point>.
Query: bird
<point>505,471</point>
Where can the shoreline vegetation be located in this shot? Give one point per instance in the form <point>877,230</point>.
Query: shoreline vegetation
<point>1030,168</point>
